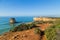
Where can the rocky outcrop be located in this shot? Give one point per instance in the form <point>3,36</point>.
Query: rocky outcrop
<point>12,20</point>
<point>43,19</point>
<point>25,35</point>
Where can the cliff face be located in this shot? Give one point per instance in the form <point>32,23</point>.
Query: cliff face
<point>25,35</point>
<point>43,19</point>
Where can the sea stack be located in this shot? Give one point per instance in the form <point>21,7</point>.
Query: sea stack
<point>12,20</point>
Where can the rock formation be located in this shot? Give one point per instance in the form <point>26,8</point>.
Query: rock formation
<point>12,20</point>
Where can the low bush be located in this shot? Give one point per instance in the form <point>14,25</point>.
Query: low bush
<point>37,31</point>
<point>23,26</point>
<point>51,33</point>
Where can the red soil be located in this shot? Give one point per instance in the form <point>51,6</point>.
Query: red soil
<point>43,26</point>
<point>25,35</point>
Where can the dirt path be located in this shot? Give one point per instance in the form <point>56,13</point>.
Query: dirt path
<point>42,28</point>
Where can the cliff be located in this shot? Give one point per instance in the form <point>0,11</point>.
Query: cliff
<point>25,35</point>
<point>43,19</point>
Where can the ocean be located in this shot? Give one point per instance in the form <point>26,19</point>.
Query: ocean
<point>5,26</point>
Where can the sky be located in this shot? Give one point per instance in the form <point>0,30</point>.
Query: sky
<point>30,8</point>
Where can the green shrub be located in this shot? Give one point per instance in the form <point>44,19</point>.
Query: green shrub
<point>51,33</point>
<point>23,26</point>
<point>37,31</point>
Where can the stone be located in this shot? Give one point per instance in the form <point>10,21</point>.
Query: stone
<point>12,20</point>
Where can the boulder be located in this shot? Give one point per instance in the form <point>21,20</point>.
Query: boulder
<point>12,20</point>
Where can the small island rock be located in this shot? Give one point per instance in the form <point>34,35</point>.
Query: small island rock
<point>12,20</point>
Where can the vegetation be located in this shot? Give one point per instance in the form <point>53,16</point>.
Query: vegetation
<point>51,33</point>
<point>37,31</point>
<point>23,26</point>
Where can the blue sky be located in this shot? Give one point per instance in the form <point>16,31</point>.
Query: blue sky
<point>30,8</point>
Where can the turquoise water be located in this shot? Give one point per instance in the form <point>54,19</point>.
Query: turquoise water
<point>5,26</point>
